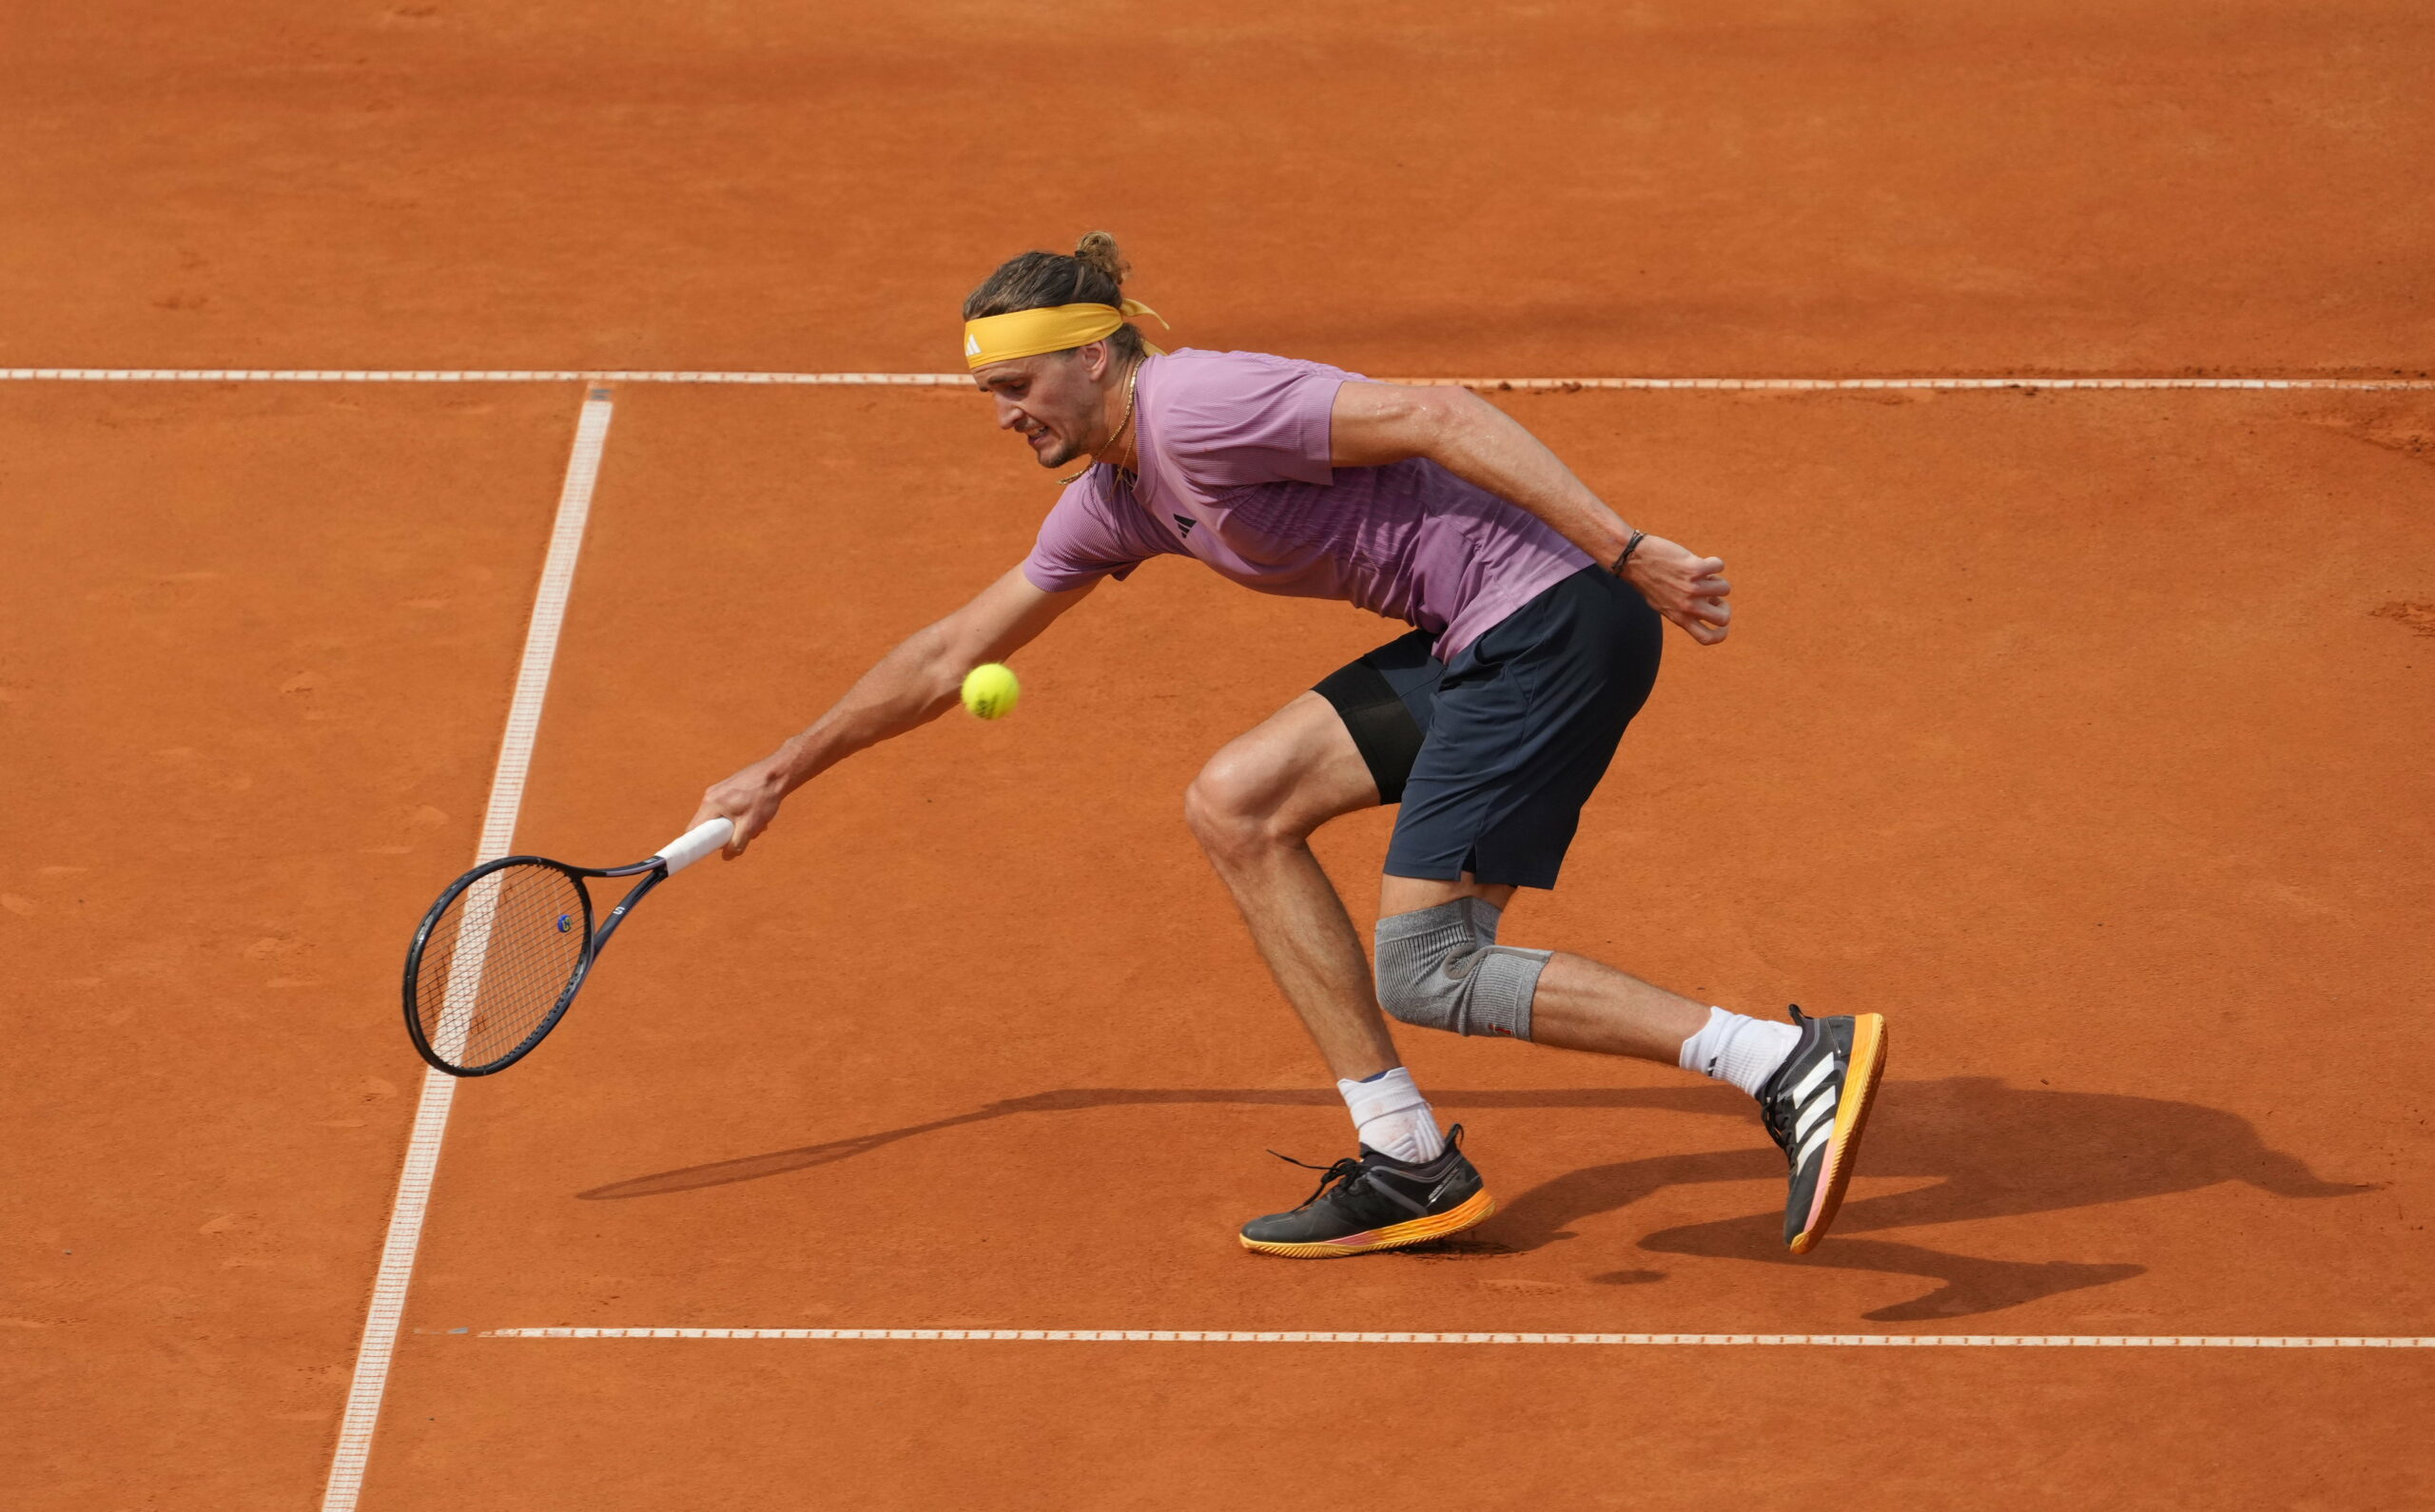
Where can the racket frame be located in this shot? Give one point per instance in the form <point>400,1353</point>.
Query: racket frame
<point>652,872</point>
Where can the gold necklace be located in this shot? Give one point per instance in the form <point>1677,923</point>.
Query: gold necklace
<point>1131,379</point>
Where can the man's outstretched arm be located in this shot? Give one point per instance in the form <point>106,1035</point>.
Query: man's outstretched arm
<point>907,688</point>
<point>1373,425</point>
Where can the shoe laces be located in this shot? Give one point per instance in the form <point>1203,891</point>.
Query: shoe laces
<point>1347,1170</point>
<point>1777,1113</point>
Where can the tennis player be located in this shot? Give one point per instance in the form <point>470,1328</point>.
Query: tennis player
<point>1536,617</point>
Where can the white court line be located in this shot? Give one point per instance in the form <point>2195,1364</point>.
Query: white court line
<point>2013,1341</point>
<point>470,952</point>
<point>1771,385</point>
<point>380,1322</point>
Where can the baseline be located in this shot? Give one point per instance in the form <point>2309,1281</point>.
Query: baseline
<point>2012,1341</point>
<point>397,1250</point>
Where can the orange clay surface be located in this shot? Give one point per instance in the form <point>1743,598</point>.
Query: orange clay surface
<point>1680,186</point>
<point>2081,734</point>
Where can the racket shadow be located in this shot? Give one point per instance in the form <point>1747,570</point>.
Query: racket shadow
<point>781,1162</point>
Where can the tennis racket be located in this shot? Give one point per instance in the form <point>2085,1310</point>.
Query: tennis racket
<point>503,951</point>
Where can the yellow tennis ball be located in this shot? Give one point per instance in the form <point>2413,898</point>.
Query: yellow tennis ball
<point>990,691</point>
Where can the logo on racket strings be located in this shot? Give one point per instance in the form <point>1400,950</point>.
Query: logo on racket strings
<point>566,921</point>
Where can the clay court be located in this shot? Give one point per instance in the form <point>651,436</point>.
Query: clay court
<point>2058,381</point>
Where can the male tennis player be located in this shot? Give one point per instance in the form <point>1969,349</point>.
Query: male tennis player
<point>1536,635</point>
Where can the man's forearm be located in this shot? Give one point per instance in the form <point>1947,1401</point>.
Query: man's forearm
<point>1484,446</point>
<point>903,690</point>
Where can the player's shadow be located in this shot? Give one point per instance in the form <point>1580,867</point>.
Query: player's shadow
<point>1983,1149</point>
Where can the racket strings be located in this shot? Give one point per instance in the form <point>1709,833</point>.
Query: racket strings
<point>498,961</point>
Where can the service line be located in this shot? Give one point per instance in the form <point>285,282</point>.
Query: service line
<point>2012,1341</point>
<point>1768,385</point>
<point>380,1322</point>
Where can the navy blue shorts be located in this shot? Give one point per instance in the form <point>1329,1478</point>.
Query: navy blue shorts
<point>1492,757</point>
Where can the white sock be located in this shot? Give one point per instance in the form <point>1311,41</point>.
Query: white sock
<point>1739,1049</point>
<point>1392,1118</point>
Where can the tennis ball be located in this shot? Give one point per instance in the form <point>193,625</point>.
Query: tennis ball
<point>990,691</point>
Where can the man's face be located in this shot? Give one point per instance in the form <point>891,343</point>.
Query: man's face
<point>1049,400</point>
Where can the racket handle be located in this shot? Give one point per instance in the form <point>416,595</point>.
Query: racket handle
<point>696,843</point>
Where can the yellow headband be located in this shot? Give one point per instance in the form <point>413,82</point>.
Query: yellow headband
<point>1028,333</point>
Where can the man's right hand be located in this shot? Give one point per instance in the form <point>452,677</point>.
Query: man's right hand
<point>750,799</point>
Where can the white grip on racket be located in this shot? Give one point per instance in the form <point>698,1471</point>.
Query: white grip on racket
<point>696,843</point>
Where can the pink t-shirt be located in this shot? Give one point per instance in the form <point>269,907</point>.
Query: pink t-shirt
<point>1234,457</point>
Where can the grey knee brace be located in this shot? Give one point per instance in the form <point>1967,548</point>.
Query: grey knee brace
<point>1441,968</point>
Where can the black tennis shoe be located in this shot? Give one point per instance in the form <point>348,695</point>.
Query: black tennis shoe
<point>1376,1202</point>
<point>1815,1106</point>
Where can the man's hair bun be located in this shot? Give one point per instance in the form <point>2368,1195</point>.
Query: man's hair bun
<point>1097,251</point>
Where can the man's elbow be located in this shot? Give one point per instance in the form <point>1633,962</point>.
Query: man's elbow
<point>1452,423</point>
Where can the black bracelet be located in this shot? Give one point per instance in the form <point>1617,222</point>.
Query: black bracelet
<point>1629,547</point>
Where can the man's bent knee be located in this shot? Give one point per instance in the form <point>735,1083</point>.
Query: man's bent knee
<point>1441,968</point>
<point>1231,806</point>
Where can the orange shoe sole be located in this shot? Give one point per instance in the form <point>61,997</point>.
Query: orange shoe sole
<point>1414,1230</point>
<point>1851,1117</point>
